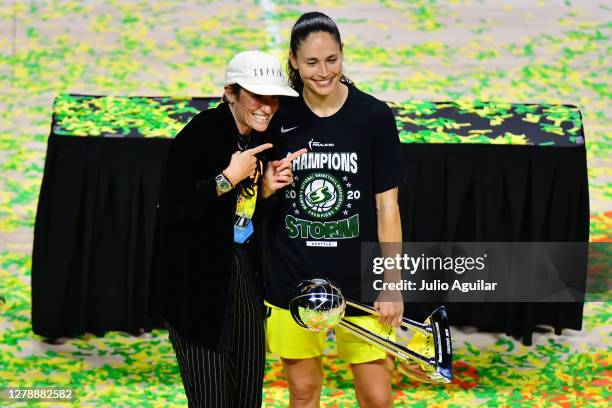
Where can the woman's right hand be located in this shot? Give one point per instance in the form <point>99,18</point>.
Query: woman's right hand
<point>243,164</point>
<point>278,174</point>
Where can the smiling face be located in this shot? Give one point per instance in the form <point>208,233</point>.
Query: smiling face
<point>319,62</point>
<point>251,111</point>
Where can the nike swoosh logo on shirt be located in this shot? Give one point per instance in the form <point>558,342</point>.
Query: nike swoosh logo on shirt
<point>283,130</point>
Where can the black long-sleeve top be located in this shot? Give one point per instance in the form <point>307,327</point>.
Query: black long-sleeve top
<point>192,262</point>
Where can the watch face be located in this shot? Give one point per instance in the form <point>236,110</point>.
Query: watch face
<point>223,184</point>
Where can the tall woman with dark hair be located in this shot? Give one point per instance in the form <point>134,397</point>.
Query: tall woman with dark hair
<point>344,193</point>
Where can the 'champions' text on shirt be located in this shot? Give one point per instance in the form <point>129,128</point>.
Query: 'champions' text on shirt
<point>342,161</point>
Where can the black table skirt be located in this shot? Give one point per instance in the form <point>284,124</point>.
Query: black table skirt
<point>93,236</point>
<point>496,194</point>
<point>94,226</point>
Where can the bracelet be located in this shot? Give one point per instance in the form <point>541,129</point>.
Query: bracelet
<point>228,179</point>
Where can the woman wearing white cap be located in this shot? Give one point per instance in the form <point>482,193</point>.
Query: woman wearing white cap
<point>204,285</point>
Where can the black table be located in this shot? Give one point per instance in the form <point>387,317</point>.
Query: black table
<point>475,172</point>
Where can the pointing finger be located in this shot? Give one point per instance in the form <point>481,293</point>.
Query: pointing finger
<point>260,148</point>
<point>295,155</point>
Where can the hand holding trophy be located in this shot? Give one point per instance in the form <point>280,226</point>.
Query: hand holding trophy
<point>320,306</point>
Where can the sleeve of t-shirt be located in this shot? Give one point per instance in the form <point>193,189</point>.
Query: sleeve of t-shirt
<point>386,150</point>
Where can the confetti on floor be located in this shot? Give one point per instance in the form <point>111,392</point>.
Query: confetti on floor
<point>463,50</point>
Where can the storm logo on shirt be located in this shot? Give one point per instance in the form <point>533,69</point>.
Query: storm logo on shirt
<point>340,229</point>
<point>321,195</point>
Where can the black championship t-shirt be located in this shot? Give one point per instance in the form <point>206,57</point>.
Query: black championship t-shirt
<point>320,221</point>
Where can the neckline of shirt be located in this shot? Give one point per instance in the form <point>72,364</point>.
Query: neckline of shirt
<point>350,91</point>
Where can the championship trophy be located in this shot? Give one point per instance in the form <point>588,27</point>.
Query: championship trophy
<point>320,306</point>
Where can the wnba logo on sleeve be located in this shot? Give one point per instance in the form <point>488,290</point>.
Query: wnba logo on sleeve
<point>321,195</point>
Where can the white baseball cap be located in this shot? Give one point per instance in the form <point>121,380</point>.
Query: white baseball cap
<point>259,73</point>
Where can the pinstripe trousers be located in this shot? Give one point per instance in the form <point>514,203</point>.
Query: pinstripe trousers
<point>234,377</point>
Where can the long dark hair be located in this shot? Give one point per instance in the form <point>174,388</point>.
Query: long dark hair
<point>311,22</point>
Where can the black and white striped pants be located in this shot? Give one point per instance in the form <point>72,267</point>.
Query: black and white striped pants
<point>232,378</point>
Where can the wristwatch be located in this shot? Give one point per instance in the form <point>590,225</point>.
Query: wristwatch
<point>223,183</point>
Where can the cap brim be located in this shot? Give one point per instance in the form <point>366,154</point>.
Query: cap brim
<point>285,90</point>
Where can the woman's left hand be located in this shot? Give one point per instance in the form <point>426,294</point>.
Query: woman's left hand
<point>278,174</point>
<point>390,312</point>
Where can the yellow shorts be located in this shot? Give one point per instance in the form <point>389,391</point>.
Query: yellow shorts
<point>287,339</point>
